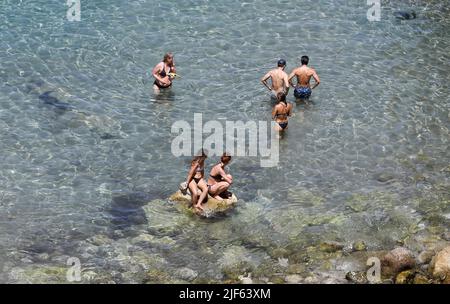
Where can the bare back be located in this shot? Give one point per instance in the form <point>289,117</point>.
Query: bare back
<point>304,74</point>
<point>279,79</point>
<point>281,112</point>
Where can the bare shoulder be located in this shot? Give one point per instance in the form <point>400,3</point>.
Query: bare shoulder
<point>294,71</point>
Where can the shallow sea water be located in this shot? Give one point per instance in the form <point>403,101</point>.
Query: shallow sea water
<point>367,160</point>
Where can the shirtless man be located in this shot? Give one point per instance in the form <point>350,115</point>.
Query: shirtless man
<point>279,77</point>
<point>304,73</point>
<point>161,73</point>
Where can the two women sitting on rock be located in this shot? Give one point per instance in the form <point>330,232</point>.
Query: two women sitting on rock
<point>218,181</point>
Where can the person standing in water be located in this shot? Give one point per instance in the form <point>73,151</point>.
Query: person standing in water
<point>161,73</point>
<point>219,181</point>
<point>279,79</point>
<point>281,112</point>
<point>196,182</point>
<point>304,73</point>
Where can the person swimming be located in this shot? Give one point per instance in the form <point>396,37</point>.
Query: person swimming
<point>304,73</point>
<point>279,78</point>
<point>281,111</point>
<point>195,181</point>
<point>219,181</point>
<point>163,73</point>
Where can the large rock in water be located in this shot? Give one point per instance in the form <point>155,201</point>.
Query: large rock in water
<point>440,265</point>
<point>210,208</point>
<point>396,261</point>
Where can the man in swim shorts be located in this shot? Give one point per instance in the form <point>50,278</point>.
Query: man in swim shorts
<point>304,73</point>
<point>279,79</point>
<point>161,73</point>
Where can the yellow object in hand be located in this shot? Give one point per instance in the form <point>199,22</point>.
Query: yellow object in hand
<point>173,75</point>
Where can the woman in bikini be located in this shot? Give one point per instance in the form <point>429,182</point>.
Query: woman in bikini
<point>195,180</point>
<point>219,181</point>
<point>161,73</point>
<point>281,112</point>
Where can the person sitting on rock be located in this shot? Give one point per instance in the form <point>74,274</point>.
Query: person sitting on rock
<point>196,182</point>
<point>219,181</point>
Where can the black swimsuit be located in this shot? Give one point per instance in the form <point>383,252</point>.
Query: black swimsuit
<point>283,125</point>
<point>198,170</point>
<point>162,74</point>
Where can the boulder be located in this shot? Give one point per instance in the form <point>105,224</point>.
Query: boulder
<point>440,265</point>
<point>396,261</point>
<point>211,207</point>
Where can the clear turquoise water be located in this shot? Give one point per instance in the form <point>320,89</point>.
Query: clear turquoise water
<point>67,175</point>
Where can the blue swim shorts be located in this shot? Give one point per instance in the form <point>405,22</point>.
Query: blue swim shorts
<point>302,92</point>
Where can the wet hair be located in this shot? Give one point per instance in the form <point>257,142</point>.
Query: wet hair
<point>281,97</point>
<point>200,156</point>
<point>281,63</point>
<point>225,158</point>
<point>167,56</point>
<point>304,60</point>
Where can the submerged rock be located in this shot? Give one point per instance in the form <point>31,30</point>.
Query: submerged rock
<point>425,257</point>
<point>186,274</point>
<point>156,276</point>
<point>277,253</point>
<point>405,277</point>
<point>99,240</point>
<point>296,269</point>
<point>396,261</point>
<point>40,274</point>
<point>293,279</point>
<point>359,246</point>
<point>304,197</point>
<point>358,277</point>
<point>330,247</point>
<point>384,177</point>
<point>440,265</point>
<point>446,236</point>
<point>277,280</point>
<point>163,219</point>
<point>421,279</point>
<point>246,280</point>
<point>405,15</point>
<point>211,207</point>
<point>235,271</point>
